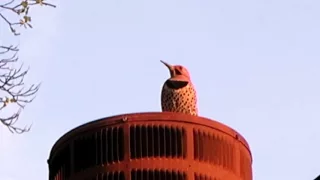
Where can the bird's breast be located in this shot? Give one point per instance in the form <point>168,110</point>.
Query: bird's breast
<point>183,99</point>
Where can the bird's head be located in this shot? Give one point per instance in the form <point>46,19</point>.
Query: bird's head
<point>177,72</point>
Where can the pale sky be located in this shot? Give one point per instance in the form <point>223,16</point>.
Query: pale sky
<point>255,65</point>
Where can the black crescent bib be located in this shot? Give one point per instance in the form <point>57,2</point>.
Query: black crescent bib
<point>176,84</point>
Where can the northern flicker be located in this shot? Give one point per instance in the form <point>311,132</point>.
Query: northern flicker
<point>178,93</point>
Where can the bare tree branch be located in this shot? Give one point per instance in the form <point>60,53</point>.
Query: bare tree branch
<point>21,9</point>
<point>5,49</point>
<point>13,90</point>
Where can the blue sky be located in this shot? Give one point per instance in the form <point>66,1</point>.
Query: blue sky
<point>255,65</point>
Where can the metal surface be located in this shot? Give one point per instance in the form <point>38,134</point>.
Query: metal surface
<point>159,145</point>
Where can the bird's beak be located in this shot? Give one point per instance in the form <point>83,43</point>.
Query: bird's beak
<point>168,65</point>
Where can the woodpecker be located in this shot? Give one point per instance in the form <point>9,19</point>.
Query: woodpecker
<point>178,93</point>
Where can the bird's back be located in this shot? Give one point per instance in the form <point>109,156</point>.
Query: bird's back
<point>182,100</point>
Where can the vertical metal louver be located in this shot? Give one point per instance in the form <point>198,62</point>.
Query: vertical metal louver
<point>157,141</point>
<point>60,165</point>
<point>108,176</point>
<point>157,175</point>
<point>203,177</point>
<point>103,146</point>
<point>109,145</point>
<point>213,149</point>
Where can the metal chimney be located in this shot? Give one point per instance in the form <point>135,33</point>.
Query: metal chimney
<point>151,146</point>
